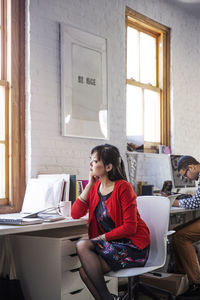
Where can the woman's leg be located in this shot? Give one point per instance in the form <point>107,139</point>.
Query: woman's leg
<point>93,270</point>
<point>89,284</point>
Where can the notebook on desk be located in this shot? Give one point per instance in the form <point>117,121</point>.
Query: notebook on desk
<point>41,196</point>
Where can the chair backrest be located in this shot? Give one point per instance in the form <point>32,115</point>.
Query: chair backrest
<point>155,210</point>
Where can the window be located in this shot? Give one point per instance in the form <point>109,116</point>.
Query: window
<point>147,68</point>
<point>12,158</point>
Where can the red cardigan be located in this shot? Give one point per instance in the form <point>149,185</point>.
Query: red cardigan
<point>122,208</point>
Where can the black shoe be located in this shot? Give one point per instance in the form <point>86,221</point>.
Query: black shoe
<point>192,293</point>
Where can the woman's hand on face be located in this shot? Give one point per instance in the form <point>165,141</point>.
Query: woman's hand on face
<point>92,179</point>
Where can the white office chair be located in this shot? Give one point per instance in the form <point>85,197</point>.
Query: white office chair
<point>154,210</point>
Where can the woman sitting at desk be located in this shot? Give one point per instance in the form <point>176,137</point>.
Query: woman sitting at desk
<point>118,237</point>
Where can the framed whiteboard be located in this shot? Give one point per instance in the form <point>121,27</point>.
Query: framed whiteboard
<point>84,107</point>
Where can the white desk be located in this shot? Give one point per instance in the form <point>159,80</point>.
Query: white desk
<point>14,229</point>
<point>175,209</point>
<point>46,260</point>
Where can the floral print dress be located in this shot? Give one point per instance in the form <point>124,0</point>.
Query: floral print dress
<point>120,253</point>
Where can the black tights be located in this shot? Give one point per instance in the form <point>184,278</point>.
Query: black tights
<point>93,270</point>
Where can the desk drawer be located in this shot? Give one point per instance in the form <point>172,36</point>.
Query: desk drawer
<point>68,246</point>
<point>71,281</point>
<point>69,262</point>
<point>178,219</point>
<point>81,294</point>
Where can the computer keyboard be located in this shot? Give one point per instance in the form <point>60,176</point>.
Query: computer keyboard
<point>183,196</point>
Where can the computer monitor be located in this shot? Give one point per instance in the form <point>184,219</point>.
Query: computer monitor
<point>179,181</point>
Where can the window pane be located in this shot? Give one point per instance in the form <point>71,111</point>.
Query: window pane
<point>0,53</point>
<point>2,113</point>
<point>132,53</point>
<point>134,113</point>
<point>8,62</point>
<point>147,59</point>
<point>2,171</point>
<point>151,116</point>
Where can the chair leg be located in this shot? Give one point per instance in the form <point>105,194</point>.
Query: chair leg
<point>133,287</point>
<point>130,287</point>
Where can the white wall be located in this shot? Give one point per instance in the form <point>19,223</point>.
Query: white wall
<point>47,150</point>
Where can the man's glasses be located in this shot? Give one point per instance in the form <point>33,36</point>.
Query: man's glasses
<point>185,174</point>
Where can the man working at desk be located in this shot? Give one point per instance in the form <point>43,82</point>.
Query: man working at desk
<point>186,260</point>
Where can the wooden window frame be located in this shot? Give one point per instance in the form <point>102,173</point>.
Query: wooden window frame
<point>16,87</point>
<point>149,26</point>
<point>3,24</point>
<point>4,84</point>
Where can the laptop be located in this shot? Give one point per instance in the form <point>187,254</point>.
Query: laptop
<point>17,219</point>
<point>41,200</point>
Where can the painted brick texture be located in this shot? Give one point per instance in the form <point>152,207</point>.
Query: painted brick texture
<point>46,150</point>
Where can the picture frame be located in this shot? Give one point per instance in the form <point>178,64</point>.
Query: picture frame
<point>84,106</point>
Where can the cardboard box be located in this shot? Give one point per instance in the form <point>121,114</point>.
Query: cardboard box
<point>176,284</point>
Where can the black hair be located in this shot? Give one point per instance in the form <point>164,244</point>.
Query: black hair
<point>186,160</point>
<point>109,154</point>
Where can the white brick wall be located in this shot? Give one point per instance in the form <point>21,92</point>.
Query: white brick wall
<point>47,150</point>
